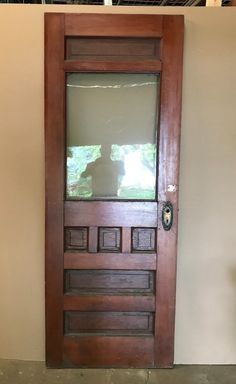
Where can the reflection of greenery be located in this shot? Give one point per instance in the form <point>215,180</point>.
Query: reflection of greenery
<point>148,153</point>
<point>136,193</point>
<point>79,157</point>
<point>77,160</point>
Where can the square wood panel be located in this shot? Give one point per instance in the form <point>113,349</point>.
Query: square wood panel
<point>144,239</point>
<point>76,238</point>
<point>109,239</point>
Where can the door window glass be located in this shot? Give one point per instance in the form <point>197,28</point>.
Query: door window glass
<point>111,136</point>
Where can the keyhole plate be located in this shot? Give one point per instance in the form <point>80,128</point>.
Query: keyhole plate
<point>167,216</point>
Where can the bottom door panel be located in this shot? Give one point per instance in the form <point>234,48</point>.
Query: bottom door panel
<point>112,351</point>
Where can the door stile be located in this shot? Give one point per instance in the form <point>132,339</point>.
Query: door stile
<point>54,151</point>
<point>168,179</point>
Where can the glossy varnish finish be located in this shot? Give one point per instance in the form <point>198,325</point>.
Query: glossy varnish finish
<point>110,266</point>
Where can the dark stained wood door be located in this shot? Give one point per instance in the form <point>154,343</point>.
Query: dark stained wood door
<point>111,264</point>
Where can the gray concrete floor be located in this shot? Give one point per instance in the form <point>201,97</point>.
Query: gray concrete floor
<point>28,372</point>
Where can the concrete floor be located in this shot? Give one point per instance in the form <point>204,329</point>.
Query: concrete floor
<point>27,372</point>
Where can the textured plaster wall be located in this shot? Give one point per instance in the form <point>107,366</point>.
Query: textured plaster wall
<point>206,282</point>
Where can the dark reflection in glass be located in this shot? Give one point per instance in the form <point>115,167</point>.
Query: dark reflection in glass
<point>96,167</point>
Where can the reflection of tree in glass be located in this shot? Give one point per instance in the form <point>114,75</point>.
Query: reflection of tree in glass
<point>90,173</point>
<point>77,160</point>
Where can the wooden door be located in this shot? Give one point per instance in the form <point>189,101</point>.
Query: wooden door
<point>110,259</point>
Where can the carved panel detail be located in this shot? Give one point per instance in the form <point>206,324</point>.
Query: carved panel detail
<point>144,239</point>
<point>76,238</point>
<point>109,239</point>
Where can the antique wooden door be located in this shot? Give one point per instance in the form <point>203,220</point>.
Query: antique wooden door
<point>112,115</point>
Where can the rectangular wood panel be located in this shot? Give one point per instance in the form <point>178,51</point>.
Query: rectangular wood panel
<point>74,260</point>
<point>111,25</point>
<point>109,323</point>
<point>117,214</point>
<point>112,351</point>
<point>78,47</point>
<point>102,65</point>
<point>108,281</point>
<point>93,239</point>
<point>126,241</point>
<point>109,303</point>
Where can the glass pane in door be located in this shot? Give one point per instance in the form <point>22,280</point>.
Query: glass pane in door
<point>111,121</point>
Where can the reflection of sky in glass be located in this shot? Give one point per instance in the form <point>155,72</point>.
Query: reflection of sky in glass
<point>136,173</point>
<point>122,172</point>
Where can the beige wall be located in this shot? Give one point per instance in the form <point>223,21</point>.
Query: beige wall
<point>206,286</point>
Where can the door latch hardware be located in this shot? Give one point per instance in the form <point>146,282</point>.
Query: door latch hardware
<point>167,216</point>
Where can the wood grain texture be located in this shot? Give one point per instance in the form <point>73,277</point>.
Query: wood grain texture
<point>139,261</point>
<point>78,47</point>
<point>117,323</point>
<point>126,241</point>
<point>169,142</point>
<point>111,25</point>
<point>117,214</point>
<point>54,173</point>
<point>124,303</point>
<point>93,239</point>
<point>143,239</point>
<point>109,351</point>
<point>76,238</point>
<point>109,65</point>
<point>108,282</point>
<point>109,239</point>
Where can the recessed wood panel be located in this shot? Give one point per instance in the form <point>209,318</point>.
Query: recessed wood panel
<point>109,239</point>
<point>79,48</point>
<point>117,323</point>
<point>76,238</point>
<point>108,281</point>
<point>143,239</point>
